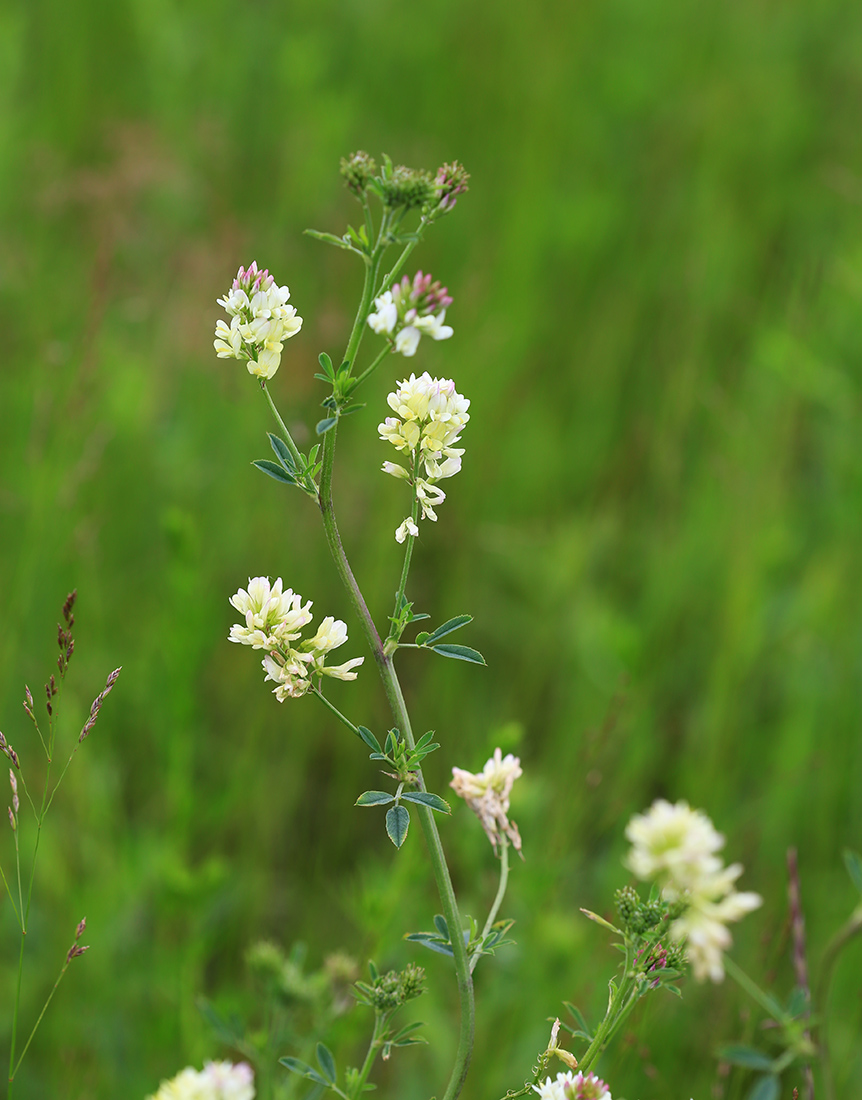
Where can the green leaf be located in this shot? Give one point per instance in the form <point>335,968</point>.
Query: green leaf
<point>282,453</point>
<point>229,1031</point>
<point>389,745</point>
<point>408,1029</point>
<point>460,652</point>
<point>352,409</point>
<point>325,425</point>
<point>449,626</point>
<point>425,798</point>
<point>296,1066</point>
<point>374,798</point>
<point>416,618</point>
<point>441,926</point>
<point>423,740</point>
<point>397,822</point>
<point>369,739</point>
<point>326,365</point>
<point>766,1088</point>
<point>326,1062</point>
<point>328,238</point>
<point>274,470</point>
<point>745,1056</point>
<point>853,863</point>
<point>422,637</point>
<point>797,1002</point>
<point>578,1015</point>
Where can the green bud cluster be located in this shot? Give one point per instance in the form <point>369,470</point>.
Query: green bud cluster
<point>357,170</point>
<point>410,188</point>
<point>389,991</point>
<point>636,916</point>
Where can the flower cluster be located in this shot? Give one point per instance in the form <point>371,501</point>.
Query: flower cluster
<point>216,1081</point>
<point>487,795</point>
<point>431,415</point>
<point>273,622</point>
<point>260,322</point>
<point>573,1086</point>
<point>411,310</point>
<point>676,846</point>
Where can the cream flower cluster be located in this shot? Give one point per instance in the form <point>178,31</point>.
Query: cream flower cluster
<point>573,1086</point>
<point>411,310</point>
<point>430,416</point>
<point>676,846</point>
<point>260,322</point>
<point>216,1081</point>
<point>273,621</point>
<point>487,794</point>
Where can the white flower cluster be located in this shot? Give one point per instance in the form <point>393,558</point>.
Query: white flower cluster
<point>487,795</point>
<point>260,322</point>
<point>411,310</point>
<point>431,415</point>
<point>676,846</point>
<point>574,1086</point>
<point>273,622</point>
<point>216,1081</point>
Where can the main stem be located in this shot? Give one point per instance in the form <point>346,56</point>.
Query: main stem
<point>395,697</point>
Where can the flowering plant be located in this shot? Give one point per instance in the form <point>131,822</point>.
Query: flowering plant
<point>682,921</point>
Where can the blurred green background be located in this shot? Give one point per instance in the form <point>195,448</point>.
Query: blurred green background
<point>657,277</point>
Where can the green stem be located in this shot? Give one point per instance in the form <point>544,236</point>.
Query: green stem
<point>38,1021</point>
<point>392,688</point>
<point>767,1003</point>
<point>369,370</point>
<point>498,900</point>
<point>830,956</point>
<point>395,629</point>
<point>370,1057</point>
<point>333,709</point>
<point>393,274</point>
<point>619,1006</point>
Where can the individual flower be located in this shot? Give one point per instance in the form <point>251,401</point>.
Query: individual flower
<point>676,846</point>
<point>430,416</point>
<point>261,320</point>
<point>216,1081</point>
<point>487,795</point>
<point>573,1086</point>
<point>273,622</point>
<point>411,310</point>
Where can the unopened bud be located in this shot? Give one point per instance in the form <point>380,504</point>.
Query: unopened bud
<point>79,931</point>
<point>13,783</point>
<point>12,819</point>
<point>68,605</point>
<point>29,696</point>
<point>75,950</point>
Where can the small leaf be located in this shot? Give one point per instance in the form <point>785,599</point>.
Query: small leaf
<point>416,618</point>
<point>374,798</point>
<point>282,452</point>
<point>853,863</point>
<point>389,745</point>
<point>325,425</point>
<point>578,1015</point>
<point>295,1066</point>
<point>369,739</point>
<point>449,626</point>
<point>397,822</point>
<point>274,470</point>
<point>766,1088</point>
<point>326,1062</point>
<point>352,409</point>
<point>326,364</point>
<point>600,920</point>
<point>328,238</point>
<point>424,739</point>
<point>460,652</point>
<point>441,926</point>
<point>797,1002</point>
<point>425,798</point>
<point>745,1056</point>
<point>408,1029</point>
<point>422,637</point>
<point>431,943</point>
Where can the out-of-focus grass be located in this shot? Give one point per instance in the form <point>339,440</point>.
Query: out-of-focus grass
<point>657,279</point>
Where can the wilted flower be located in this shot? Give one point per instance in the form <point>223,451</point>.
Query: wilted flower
<point>487,795</point>
<point>261,321</point>
<point>676,846</point>
<point>411,310</point>
<point>273,622</point>
<point>431,415</point>
<point>573,1086</point>
<point>216,1081</point>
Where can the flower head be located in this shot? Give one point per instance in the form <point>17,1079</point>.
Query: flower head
<point>410,310</point>
<point>487,795</point>
<point>273,622</point>
<point>430,416</point>
<point>573,1086</point>
<point>216,1081</point>
<point>260,322</point>
<point>676,846</point>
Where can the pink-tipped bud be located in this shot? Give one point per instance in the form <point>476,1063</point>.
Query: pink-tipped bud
<point>79,931</point>
<point>29,696</point>
<point>75,950</point>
